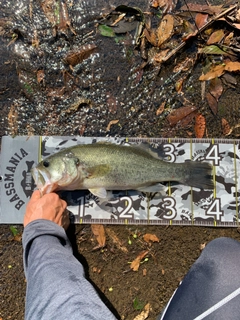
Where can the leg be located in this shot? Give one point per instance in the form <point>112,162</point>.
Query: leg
<point>211,289</point>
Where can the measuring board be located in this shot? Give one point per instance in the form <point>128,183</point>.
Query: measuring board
<point>181,205</point>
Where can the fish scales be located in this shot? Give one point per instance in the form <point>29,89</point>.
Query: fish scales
<point>105,166</point>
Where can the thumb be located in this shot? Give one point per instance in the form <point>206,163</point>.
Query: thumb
<point>36,195</point>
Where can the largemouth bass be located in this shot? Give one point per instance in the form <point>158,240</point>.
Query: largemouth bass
<point>104,166</point>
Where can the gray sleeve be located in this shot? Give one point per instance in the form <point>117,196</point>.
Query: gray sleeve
<point>56,285</point>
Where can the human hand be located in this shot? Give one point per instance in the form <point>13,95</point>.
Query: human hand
<point>48,206</point>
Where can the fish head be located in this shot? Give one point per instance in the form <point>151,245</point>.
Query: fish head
<point>57,172</point>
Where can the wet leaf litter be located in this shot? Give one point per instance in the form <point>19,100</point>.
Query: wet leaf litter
<point>65,88</point>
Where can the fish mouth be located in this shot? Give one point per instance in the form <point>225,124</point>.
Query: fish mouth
<point>43,180</point>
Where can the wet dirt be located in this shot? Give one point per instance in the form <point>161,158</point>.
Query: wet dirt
<point>37,90</point>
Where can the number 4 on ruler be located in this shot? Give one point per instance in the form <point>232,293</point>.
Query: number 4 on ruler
<point>215,209</point>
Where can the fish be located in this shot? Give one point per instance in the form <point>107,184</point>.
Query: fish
<point>106,166</point>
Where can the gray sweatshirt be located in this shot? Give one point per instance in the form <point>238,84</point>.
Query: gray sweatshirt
<point>56,285</point>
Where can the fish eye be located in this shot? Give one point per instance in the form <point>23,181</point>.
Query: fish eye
<point>45,163</point>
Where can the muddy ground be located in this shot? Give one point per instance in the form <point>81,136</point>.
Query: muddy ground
<point>29,106</point>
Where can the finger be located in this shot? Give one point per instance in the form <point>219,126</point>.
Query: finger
<point>36,195</point>
<point>64,204</point>
<point>65,220</point>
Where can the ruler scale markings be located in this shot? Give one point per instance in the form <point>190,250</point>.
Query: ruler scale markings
<point>183,205</point>
<point>236,184</point>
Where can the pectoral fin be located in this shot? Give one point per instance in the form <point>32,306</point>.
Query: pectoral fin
<point>99,192</point>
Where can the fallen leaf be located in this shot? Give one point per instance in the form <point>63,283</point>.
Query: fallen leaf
<point>226,129</point>
<point>216,37</point>
<point>151,36</point>
<point>213,49</point>
<point>99,232</point>
<point>184,65</point>
<point>111,123</point>
<point>144,314</point>
<point>112,103</point>
<point>13,120</point>
<point>203,8</point>
<point>136,262</point>
<point>144,272</point>
<point>161,108</point>
<point>167,5</point>
<point>202,246</point>
<point>232,66</point>
<point>148,237</point>
<point>201,19</point>
<point>165,29</point>
<point>236,25</point>
<point>212,102</point>
<point>229,80</point>
<point>106,31</point>
<point>40,76</point>
<point>74,57</point>
<point>187,120</point>
<point>180,113</point>
<point>116,240</point>
<point>160,57</point>
<point>216,71</point>
<point>200,125</point>
<point>228,39</point>
<point>216,88</point>
<point>179,85</point>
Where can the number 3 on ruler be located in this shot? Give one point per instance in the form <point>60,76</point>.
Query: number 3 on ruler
<point>169,204</point>
<point>169,150</point>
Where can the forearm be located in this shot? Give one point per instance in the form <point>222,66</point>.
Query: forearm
<point>56,286</point>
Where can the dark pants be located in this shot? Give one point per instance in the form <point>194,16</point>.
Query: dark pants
<point>211,288</point>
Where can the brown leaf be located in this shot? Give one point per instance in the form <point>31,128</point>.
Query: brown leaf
<point>111,123</point>
<point>236,25</point>
<point>151,36</point>
<point>179,85</point>
<point>216,88</point>
<point>148,237</point>
<point>144,314</point>
<point>203,8</point>
<point>116,240</point>
<point>13,120</point>
<point>77,56</point>
<point>136,262</point>
<point>200,125</point>
<point>187,120</point>
<point>164,31</point>
<point>212,102</point>
<point>226,129</point>
<point>202,246</point>
<point>216,37</point>
<point>161,108</point>
<point>167,5</point>
<point>215,71</point>
<point>180,113</point>
<point>160,57</point>
<point>232,66</point>
<point>201,19</point>
<point>40,76</point>
<point>144,272</point>
<point>99,232</point>
<point>228,39</point>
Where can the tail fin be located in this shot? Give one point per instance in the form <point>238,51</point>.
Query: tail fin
<point>199,175</point>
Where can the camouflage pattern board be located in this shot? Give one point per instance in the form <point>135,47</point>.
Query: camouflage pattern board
<point>181,205</point>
